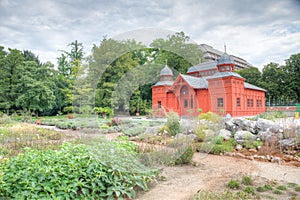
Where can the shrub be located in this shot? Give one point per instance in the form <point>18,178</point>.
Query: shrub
<point>74,172</point>
<point>281,187</point>
<point>272,115</point>
<point>233,184</point>
<point>249,190</point>
<point>210,116</point>
<point>260,189</point>
<point>200,132</point>
<point>217,146</point>
<point>186,155</point>
<point>68,109</point>
<point>267,187</point>
<point>163,129</point>
<point>173,123</point>
<point>297,188</point>
<point>277,192</point>
<point>247,180</point>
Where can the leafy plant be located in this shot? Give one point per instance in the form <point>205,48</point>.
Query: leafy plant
<point>246,180</point>
<point>249,190</point>
<point>210,116</point>
<point>281,187</point>
<point>74,172</point>
<point>233,184</point>
<point>173,123</point>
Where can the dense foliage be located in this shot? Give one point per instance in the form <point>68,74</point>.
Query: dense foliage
<point>281,81</point>
<point>105,170</point>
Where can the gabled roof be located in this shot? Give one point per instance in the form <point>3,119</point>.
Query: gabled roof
<point>225,59</point>
<point>159,83</point>
<point>195,82</point>
<point>224,74</point>
<point>166,71</point>
<point>253,87</point>
<point>203,66</point>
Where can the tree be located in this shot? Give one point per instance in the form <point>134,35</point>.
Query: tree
<point>69,65</point>
<point>292,74</point>
<point>274,80</point>
<point>177,51</point>
<point>9,78</point>
<point>252,75</point>
<point>34,88</point>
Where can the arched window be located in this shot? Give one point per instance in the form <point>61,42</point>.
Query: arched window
<point>184,90</point>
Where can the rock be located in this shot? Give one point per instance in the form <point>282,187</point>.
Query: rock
<point>276,160</point>
<point>227,117</point>
<point>244,124</point>
<point>263,124</point>
<point>268,157</point>
<point>276,128</point>
<point>225,134</point>
<point>240,155</point>
<point>288,158</point>
<point>285,143</point>
<point>229,125</point>
<point>238,147</point>
<point>249,157</point>
<point>228,154</point>
<point>253,150</point>
<point>242,136</point>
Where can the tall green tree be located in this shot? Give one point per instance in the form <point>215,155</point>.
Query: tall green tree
<point>69,64</point>
<point>34,89</point>
<point>10,62</point>
<point>292,75</point>
<point>273,82</point>
<point>252,75</point>
<point>177,50</point>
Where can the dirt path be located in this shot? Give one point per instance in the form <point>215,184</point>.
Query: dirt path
<point>209,172</point>
<point>213,172</point>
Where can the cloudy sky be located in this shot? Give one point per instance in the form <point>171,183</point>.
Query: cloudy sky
<point>260,31</point>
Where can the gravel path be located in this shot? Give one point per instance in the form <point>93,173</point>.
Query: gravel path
<point>212,172</point>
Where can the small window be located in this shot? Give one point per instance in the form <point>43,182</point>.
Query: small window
<point>250,102</point>
<point>186,104</point>
<point>238,102</point>
<point>220,102</point>
<point>159,104</point>
<point>192,103</point>
<point>258,103</point>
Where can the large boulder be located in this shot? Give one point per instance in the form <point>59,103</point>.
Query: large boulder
<point>263,125</point>
<point>244,124</point>
<point>229,125</point>
<point>286,143</point>
<point>225,134</point>
<point>243,136</point>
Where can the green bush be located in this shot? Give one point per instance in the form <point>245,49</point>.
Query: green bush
<point>210,116</point>
<point>277,192</point>
<point>297,188</point>
<point>272,115</point>
<point>173,123</point>
<point>217,146</point>
<point>200,132</point>
<point>249,190</point>
<point>260,189</point>
<point>268,187</point>
<point>186,155</point>
<point>233,184</point>
<point>68,109</point>
<point>282,187</point>
<point>103,171</point>
<point>246,180</point>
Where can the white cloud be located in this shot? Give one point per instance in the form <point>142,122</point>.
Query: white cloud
<point>259,31</point>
